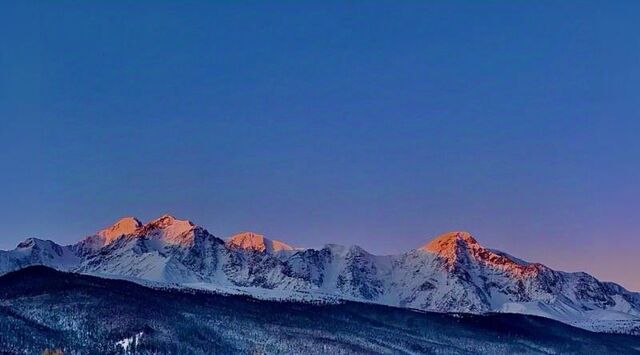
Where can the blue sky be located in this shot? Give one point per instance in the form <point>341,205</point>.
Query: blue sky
<point>381,124</point>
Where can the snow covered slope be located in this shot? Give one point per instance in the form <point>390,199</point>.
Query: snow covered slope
<point>451,273</point>
<point>34,251</point>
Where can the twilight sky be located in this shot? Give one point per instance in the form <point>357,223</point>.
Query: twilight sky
<point>379,124</point>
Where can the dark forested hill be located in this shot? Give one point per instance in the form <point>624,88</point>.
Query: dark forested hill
<point>41,308</point>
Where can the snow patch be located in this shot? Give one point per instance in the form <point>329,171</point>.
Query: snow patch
<point>128,345</point>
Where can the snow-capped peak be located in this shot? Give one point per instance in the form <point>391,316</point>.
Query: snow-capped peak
<point>32,242</point>
<point>124,226</point>
<point>460,247</point>
<point>167,220</point>
<point>343,250</point>
<point>256,242</point>
<point>165,227</point>
<point>170,229</point>
<point>446,243</point>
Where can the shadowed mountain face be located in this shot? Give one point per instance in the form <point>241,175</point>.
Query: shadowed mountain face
<point>43,308</point>
<point>451,273</point>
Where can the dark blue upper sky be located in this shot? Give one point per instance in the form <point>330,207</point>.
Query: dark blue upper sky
<point>379,124</point>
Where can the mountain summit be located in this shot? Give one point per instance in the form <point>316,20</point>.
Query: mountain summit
<point>257,242</point>
<point>170,230</point>
<point>451,273</point>
<point>447,245</point>
<point>123,226</point>
<point>461,248</point>
<point>166,228</point>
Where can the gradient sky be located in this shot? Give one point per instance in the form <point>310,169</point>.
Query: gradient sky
<point>379,124</point>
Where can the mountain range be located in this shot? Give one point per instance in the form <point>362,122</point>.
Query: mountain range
<point>451,273</point>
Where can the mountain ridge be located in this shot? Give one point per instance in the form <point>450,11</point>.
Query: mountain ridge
<point>450,273</point>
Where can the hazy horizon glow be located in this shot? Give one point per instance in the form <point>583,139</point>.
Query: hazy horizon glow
<point>381,124</point>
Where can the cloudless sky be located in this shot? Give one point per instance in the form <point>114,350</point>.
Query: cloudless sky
<point>380,124</point>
